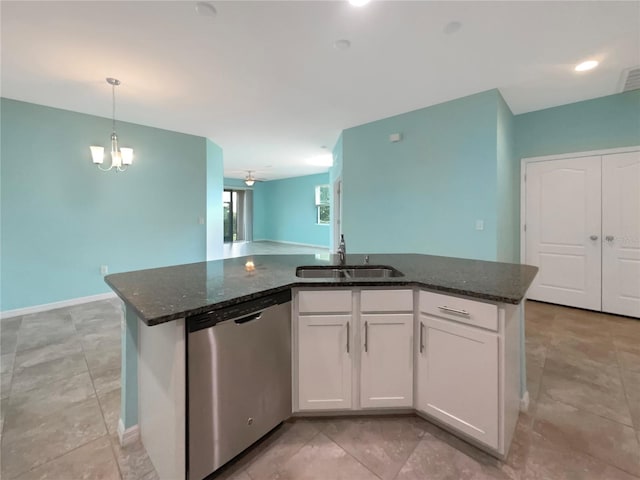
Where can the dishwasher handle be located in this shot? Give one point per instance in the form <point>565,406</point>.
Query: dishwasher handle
<point>248,318</point>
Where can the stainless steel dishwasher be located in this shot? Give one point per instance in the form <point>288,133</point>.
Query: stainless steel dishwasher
<point>238,379</point>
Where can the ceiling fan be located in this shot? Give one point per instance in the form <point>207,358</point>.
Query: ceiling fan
<point>250,180</point>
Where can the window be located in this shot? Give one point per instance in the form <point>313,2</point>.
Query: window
<point>322,205</point>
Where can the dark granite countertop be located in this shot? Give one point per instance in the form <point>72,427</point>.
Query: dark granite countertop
<point>159,295</point>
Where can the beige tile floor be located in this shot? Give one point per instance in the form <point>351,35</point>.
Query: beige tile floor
<point>60,402</point>
<point>240,249</point>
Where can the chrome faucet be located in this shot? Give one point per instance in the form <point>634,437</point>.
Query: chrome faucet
<point>342,250</point>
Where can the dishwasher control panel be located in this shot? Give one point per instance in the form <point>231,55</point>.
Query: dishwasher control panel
<point>237,311</point>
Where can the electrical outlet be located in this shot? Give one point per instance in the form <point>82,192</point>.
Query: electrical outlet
<point>200,220</point>
<point>104,269</point>
<point>479,224</point>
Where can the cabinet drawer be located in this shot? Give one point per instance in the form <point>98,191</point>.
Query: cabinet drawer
<point>386,301</point>
<point>461,310</point>
<point>324,301</point>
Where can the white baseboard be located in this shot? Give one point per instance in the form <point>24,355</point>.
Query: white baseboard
<point>524,402</point>
<point>129,435</point>
<point>52,306</point>
<point>292,243</point>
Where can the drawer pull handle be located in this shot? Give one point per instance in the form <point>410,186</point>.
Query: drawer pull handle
<point>366,336</point>
<point>347,337</point>
<point>421,337</point>
<point>444,308</point>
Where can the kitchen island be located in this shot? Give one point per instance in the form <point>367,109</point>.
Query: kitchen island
<point>159,302</point>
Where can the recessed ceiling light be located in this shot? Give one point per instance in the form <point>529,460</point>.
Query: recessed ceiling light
<point>342,44</point>
<point>325,160</point>
<point>206,9</point>
<point>452,27</point>
<point>588,65</point>
<point>359,3</point>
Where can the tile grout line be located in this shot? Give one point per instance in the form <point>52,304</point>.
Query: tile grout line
<point>53,459</point>
<point>349,454</point>
<point>588,454</point>
<point>104,421</point>
<point>245,469</point>
<point>410,453</point>
<point>33,467</point>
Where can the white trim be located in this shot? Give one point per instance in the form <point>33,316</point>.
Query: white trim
<point>291,243</point>
<point>545,158</point>
<point>52,306</point>
<point>524,402</point>
<point>129,435</point>
<point>590,153</point>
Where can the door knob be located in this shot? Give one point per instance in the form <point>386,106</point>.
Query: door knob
<point>593,237</point>
<point>609,238</point>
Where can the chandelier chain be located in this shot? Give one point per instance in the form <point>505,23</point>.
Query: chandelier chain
<point>113,116</point>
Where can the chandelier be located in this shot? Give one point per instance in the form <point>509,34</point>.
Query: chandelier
<point>121,157</point>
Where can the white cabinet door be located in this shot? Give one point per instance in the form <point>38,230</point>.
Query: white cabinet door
<point>324,362</point>
<point>458,378</point>
<point>563,201</point>
<point>621,233</point>
<point>386,377</point>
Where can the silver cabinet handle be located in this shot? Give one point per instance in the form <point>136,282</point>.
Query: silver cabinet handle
<point>444,308</point>
<point>609,238</point>
<point>593,237</point>
<point>366,336</point>
<point>348,337</point>
<point>421,337</point>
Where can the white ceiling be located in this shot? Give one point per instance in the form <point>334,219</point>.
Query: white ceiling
<point>263,80</point>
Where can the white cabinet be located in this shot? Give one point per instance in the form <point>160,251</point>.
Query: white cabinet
<point>386,377</point>
<point>468,367</point>
<point>322,344</point>
<point>386,353</point>
<point>458,379</point>
<point>324,362</point>
<point>353,358</point>
<point>356,350</point>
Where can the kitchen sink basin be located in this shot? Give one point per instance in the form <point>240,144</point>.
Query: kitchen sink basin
<point>355,271</point>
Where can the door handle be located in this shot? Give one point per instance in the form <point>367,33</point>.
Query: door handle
<point>593,237</point>
<point>421,337</point>
<point>347,337</point>
<point>609,238</point>
<point>366,336</point>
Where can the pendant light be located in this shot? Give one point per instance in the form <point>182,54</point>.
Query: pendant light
<point>121,157</point>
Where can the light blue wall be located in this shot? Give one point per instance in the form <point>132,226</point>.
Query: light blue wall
<point>285,211</point>
<point>62,218</point>
<point>425,193</point>
<point>215,226</point>
<point>508,192</point>
<point>261,211</point>
<point>606,122</point>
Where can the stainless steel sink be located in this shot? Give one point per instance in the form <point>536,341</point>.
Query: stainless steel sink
<point>321,272</point>
<point>350,271</point>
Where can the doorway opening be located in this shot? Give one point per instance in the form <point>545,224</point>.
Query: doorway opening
<point>237,215</point>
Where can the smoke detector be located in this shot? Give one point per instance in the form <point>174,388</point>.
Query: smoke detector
<point>630,79</point>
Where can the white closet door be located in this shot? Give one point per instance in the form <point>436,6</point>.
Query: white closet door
<point>621,233</point>
<point>563,201</point>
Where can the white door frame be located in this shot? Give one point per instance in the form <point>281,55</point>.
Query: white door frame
<point>336,213</point>
<point>546,158</point>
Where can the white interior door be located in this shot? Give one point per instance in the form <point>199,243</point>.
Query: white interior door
<point>621,233</point>
<point>563,231</point>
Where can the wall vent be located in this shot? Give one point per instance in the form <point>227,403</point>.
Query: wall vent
<point>630,79</point>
